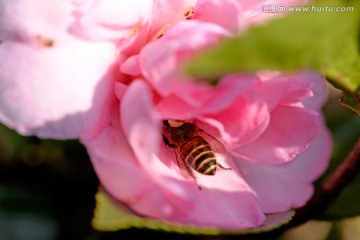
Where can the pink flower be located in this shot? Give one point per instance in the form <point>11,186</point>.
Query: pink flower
<point>114,92</point>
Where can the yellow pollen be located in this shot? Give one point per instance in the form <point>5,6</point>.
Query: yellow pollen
<point>135,29</point>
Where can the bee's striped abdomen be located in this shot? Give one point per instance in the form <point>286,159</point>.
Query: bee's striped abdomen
<point>198,154</point>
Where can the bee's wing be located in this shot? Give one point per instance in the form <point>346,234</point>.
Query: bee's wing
<point>215,144</point>
<point>184,168</point>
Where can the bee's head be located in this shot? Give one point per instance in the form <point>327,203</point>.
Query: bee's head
<point>173,123</point>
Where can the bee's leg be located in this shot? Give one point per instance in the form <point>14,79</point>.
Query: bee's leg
<point>196,181</point>
<point>167,142</point>
<point>218,164</point>
<point>193,176</point>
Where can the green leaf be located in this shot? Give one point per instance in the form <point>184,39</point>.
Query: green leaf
<point>112,216</point>
<point>326,41</point>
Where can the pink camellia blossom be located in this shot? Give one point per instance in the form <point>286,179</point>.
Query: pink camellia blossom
<point>113,81</point>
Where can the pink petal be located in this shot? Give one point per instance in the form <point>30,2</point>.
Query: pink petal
<point>111,154</point>
<point>161,60</point>
<point>287,186</point>
<point>305,87</point>
<point>226,13</point>
<point>245,118</point>
<point>299,89</point>
<point>139,119</point>
<point>131,66</point>
<point>318,89</point>
<point>283,89</point>
<point>207,100</point>
<point>52,84</point>
<point>111,19</point>
<point>275,87</point>
<point>288,134</point>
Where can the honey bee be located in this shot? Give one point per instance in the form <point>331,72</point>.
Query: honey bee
<point>194,148</point>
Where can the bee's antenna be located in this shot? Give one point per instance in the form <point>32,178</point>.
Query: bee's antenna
<point>225,168</point>
<point>200,188</point>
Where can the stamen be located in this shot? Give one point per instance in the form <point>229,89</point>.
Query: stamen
<point>44,41</point>
<point>189,13</point>
<point>135,29</point>
<point>161,32</point>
